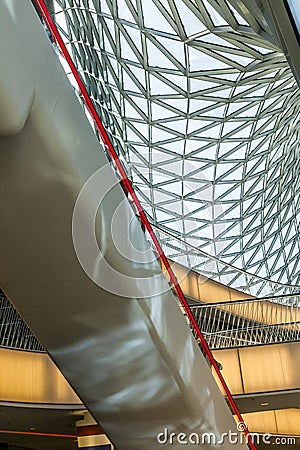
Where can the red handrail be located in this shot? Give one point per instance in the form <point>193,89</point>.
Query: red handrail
<point>128,187</point>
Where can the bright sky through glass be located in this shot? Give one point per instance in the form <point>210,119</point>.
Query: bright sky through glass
<point>201,104</point>
<point>294,6</point>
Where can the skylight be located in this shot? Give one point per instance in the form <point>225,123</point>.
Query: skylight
<point>203,85</point>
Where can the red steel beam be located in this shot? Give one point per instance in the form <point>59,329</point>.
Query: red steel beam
<point>128,187</point>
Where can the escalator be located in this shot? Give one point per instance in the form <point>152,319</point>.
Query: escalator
<point>76,265</point>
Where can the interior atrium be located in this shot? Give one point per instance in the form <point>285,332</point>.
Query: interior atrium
<point>200,102</point>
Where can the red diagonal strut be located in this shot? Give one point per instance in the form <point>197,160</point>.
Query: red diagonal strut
<point>128,187</point>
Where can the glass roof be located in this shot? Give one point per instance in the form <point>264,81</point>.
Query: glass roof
<point>204,110</point>
<point>294,7</point>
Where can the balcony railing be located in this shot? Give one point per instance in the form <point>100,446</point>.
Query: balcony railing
<point>249,322</point>
<point>14,333</point>
<point>256,321</point>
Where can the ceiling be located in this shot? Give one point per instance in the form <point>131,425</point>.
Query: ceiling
<point>201,103</point>
<point>202,106</point>
<point>30,419</point>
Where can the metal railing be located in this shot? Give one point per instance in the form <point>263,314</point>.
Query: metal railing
<point>14,333</point>
<point>227,324</point>
<point>272,317</point>
<point>249,322</point>
<point>223,324</point>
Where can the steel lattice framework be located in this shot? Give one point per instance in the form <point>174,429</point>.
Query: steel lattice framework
<point>201,104</point>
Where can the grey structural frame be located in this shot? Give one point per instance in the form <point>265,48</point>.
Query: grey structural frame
<point>200,101</point>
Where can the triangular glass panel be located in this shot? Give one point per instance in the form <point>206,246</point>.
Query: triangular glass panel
<point>157,58</point>
<point>124,11</point>
<point>154,19</point>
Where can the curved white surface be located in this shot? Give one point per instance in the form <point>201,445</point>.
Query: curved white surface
<point>132,361</point>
